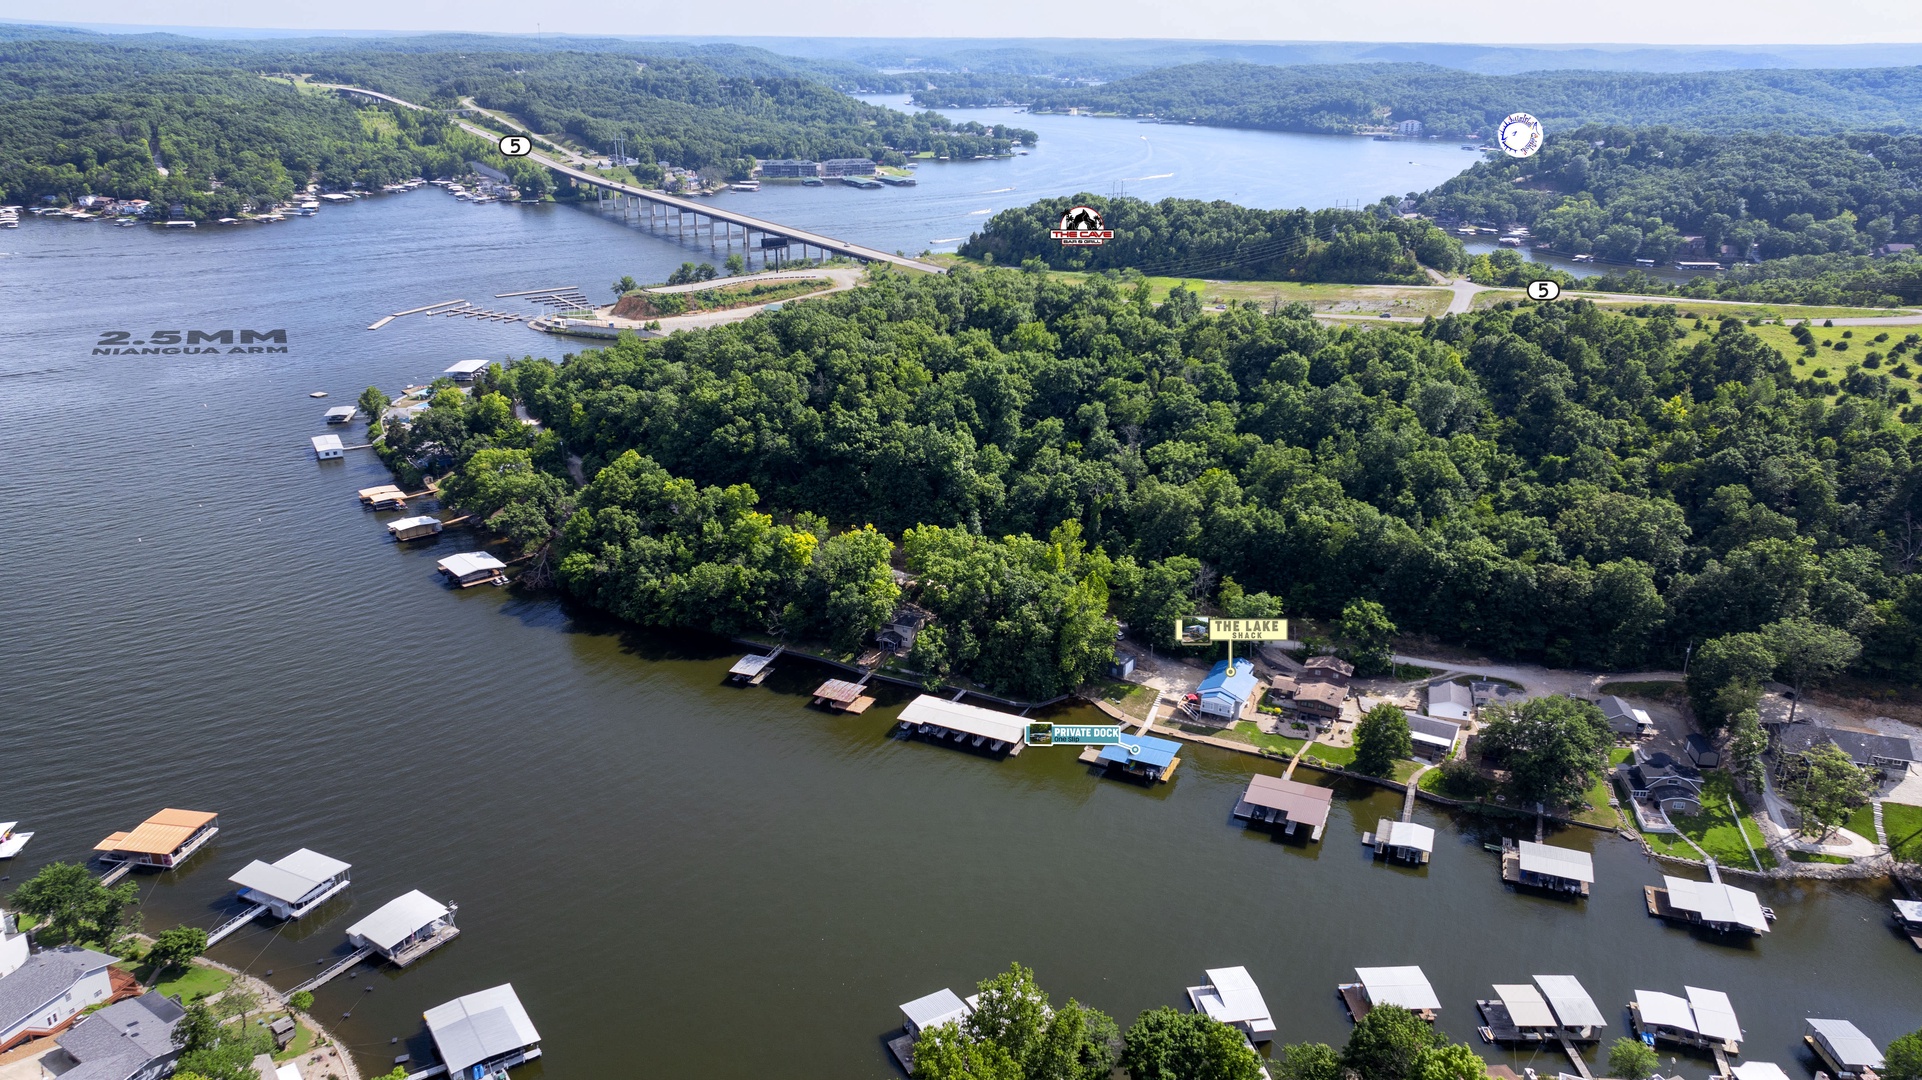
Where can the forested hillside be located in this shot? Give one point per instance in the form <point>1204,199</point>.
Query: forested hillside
<point>1340,98</point>
<point>1218,239</point>
<point>1552,482</point>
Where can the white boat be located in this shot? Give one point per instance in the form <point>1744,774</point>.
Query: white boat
<point>10,841</point>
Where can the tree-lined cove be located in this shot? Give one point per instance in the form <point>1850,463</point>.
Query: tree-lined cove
<point>1038,452</point>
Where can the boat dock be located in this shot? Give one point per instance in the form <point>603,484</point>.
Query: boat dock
<point>116,872</point>
<point>384,320</point>
<point>844,696</point>
<point>233,925</point>
<point>333,971</point>
<point>753,669</point>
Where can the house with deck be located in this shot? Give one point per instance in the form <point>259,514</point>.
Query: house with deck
<point>131,1039</point>
<point>1724,909</point>
<point>489,1029</point>
<point>1227,690</point>
<point>163,841</point>
<point>1230,996</point>
<point>1327,669</point>
<point>1404,841</point>
<point>1285,804</point>
<point>1403,986</point>
<point>1705,1020</point>
<point>1544,866</point>
<point>1317,702</point>
<point>1848,1054</point>
<point>292,886</point>
<point>1866,749</point>
<point>1658,785</point>
<point>44,994</point>
<point>405,928</point>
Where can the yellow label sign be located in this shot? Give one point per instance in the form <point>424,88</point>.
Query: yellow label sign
<point>1247,629</point>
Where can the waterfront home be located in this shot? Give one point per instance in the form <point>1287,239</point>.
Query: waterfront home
<point>1328,669</point>
<point>789,169</point>
<point>43,995</point>
<point>1704,1021</point>
<point>1658,785</point>
<point>473,568</point>
<point>1142,755</point>
<point>1580,1018</point>
<point>405,928</point>
<point>1403,840</point>
<point>1908,915</point>
<point>1517,1014</point>
<point>898,636</point>
<point>328,447</point>
<point>489,1029</point>
<point>465,370</point>
<point>383,497</point>
<point>943,1006</point>
<point>414,528</point>
<point>1866,749</point>
<point>1544,866</point>
<point>11,839</point>
<point>14,948</point>
<point>163,841</point>
<point>847,167</point>
<point>1451,701</point>
<point>1231,997</point>
<point>1403,986</point>
<point>1316,701</point>
<point>1712,905</point>
<point>1624,719</point>
<point>1843,1048</point>
<point>1433,737</point>
<point>292,886</point>
<point>1227,690</point>
<point>1289,804</point>
<point>340,414</point>
<point>941,720</point>
<point>842,696</point>
<point>128,1040</point>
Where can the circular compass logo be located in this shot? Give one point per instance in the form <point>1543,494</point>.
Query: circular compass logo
<point>1520,135</point>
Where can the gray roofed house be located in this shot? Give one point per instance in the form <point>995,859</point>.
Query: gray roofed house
<point>1451,701</point>
<point>1433,735</point>
<point>47,990</point>
<point>128,1040</point>
<point>1863,748</point>
<point>1625,719</point>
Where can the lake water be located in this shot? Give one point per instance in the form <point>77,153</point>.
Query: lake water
<point>680,879</point>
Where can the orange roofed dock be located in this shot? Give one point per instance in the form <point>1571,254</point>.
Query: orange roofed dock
<point>164,840</point>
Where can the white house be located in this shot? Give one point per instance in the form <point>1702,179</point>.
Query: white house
<point>13,945</point>
<point>489,1029</point>
<point>41,996</point>
<point>1451,701</point>
<point>294,885</point>
<point>328,447</point>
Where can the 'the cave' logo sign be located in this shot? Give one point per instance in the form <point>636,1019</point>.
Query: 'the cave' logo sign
<point>1081,227</point>
<point>178,342</point>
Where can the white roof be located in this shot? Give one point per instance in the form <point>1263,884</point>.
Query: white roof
<point>327,442</point>
<point>466,367</point>
<point>1525,1005</point>
<point>1404,986</point>
<point>398,919</point>
<point>928,709</point>
<point>290,878</point>
<point>289,1071</point>
<point>935,1009</point>
<point>1557,862</point>
<point>749,665</point>
<point>1664,1010</point>
<point>1758,1070</point>
<point>1717,903</point>
<point>1572,1005</point>
<point>1714,1016</point>
<point>1851,1048</point>
<point>410,522</point>
<point>1910,910</point>
<point>1236,997</point>
<point>341,410</point>
<point>481,1026</point>
<point>1407,834</point>
<point>468,562</point>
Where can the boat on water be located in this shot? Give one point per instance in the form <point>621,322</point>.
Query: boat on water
<point>745,185</point>
<point>811,181</point>
<point>11,841</point>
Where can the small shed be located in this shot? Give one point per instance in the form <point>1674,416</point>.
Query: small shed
<point>490,1029</point>
<point>283,1030</point>
<point>1231,997</point>
<point>328,447</point>
<point>1403,840</point>
<point>1451,701</point>
<point>466,370</point>
<point>405,928</point>
<point>341,414</point>
<point>1227,690</point>
<point>1142,755</point>
<point>294,885</point>
<point>1272,800</point>
<point>472,568</point>
<point>1702,751</point>
<point>1122,668</point>
<point>1843,1048</point>
<point>414,528</point>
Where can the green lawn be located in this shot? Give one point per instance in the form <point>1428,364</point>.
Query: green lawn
<point>1405,769</point>
<point>1431,781</point>
<point>1815,857</point>
<point>198,981</point>
<point>1903,823</point>
<point>1862,822</point>
<point>1334,755</point>
<point>1247,732</point>
<point>303,1042</point>
<point>1716,828</point>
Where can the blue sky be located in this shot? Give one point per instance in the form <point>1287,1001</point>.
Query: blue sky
<point>1686,22</point>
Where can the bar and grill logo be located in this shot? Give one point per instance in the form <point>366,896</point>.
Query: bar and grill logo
<point>1081,226</point>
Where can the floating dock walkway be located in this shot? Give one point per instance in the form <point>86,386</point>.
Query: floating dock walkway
<point>116,872</point>
<point>334,971</point>
<point>233,925</point>
<point>412,311</point>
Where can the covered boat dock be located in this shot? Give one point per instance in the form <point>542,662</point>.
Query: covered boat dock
<point>940,720</point>
<point>842,696</point>
<point>1403,986</point>
<point>1231,997</point>
<point>1543,866</point>
<point>1274,801</point>
<point>1709,904</point>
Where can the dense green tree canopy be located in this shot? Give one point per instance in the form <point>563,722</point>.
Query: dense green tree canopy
<point>1381,739</point>
<point>1552,748</point>
<point>1163,1044</point>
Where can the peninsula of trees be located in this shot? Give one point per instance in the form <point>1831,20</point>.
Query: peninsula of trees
<point>1041,458</point>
